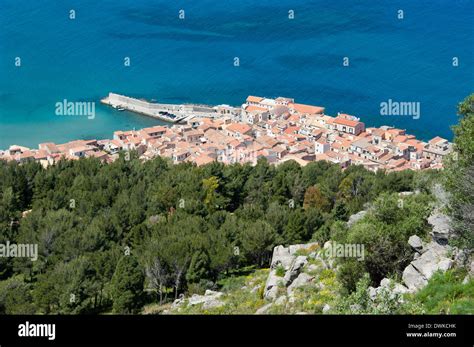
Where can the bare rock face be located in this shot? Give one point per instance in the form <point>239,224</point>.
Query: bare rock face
<point>434,257</point>
<point>178,303</point>
<point>441,225</point>
<point>415,242</point>
<point>209,300</point>
<point>271,293</point>
<point>286,258</point>
<point>295,268</point>
<point>428,258</point>
<point>281,257</point>
<point>300,281</point>
<point>413,279</point>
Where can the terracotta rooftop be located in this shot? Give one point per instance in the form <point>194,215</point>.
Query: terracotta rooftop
<point>238,128</point>
<point>302,108</point>
<point>252,98</point>
<point>346,122</point>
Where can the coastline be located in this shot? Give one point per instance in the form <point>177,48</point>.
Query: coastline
<point>278,129</point>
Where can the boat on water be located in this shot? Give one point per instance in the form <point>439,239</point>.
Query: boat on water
<point>118,107</point>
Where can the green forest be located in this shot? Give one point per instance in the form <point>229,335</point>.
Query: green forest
<point>113,238</point>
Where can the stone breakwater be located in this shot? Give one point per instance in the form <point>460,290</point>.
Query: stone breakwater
<point>173,113</point>
<point>275,129</point>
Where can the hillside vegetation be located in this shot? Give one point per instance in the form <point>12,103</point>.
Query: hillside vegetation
<point>132,236</point>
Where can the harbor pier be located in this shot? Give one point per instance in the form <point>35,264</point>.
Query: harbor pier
<point>173,113</point>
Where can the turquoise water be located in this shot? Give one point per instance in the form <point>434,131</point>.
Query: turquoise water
<point>191,60</point>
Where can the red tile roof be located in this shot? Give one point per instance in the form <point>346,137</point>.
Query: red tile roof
<point>302,108</point>
<point>254,98</point>
<point>346,122</point>
<point>239,128</point>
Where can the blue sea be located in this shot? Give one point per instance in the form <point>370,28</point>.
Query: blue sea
<point>192,60</point>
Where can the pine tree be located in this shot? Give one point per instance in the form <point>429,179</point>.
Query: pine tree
<point>127,286</point>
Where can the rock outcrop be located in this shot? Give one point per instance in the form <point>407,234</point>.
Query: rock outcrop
<point>210,299</point>
<point>285,259</point>
<point>427,258</point>
<point>415,242</point>
<point>433,257</point>
<point>441,224</point>
<point>300,281</point>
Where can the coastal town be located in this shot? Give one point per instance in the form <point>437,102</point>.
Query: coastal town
<point>276,129</point>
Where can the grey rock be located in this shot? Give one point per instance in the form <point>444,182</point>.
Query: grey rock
<point>312,267</point>
<point>295,268</point>
<point>326,308</point>
<point>254,289</point>
<point>177,303</point>
<point>209,292</point>
<point>415,242</point>
<point>400,289</point>
<point>461,257</point>
<point>209,299</point>
<point>413,279</point>
<point>304,246</point>
<point>372,293</point>
<point>441,225</point>
<point>281,300</point>
<point>271,286</point>
<point>264,309</point>
<point>281,257</point>
<point>421,269</point>
<point>292,264</point>
<point>385,282</point>
<point>387,286</point>
<point>440,193</point>
<point>445,264</point>
<point>154,219</point>
<point>395,288</point>
<point>212,303</point>
<point>300,281</point>
<point>196,299</point>
<point>271,293</point>
<point>432,260</point>
<point>355,218</point>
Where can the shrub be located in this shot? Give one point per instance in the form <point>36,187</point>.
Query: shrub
<point>445,293</point>
<point>280,271</point>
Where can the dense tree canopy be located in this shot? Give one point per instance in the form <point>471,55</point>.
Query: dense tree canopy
<point>186,227</point>
<point>460,175</point>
